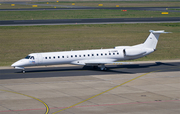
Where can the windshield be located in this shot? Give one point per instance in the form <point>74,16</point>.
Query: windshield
<point>32,57</point>
<point>27,57</point>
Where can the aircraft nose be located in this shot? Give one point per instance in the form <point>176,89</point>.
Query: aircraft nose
<point>16,64</point>
<point>13,65</point>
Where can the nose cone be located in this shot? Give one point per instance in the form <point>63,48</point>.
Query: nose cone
<point>13,65</point>
<point>16,64</point>
<point>22,63</point>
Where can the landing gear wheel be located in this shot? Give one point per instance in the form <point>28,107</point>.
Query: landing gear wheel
<point>23,71</point>
<point>103,67</point>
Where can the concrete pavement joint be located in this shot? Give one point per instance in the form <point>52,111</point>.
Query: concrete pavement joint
<point>139,76</point>
<point>148,102</point>
<point>106,91</point>
<point>103,92</point>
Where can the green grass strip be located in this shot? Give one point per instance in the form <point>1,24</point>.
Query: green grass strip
<point>81,14</point>
<point>17,42</point>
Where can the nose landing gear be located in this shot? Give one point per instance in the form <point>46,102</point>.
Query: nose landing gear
<point>23,71</point>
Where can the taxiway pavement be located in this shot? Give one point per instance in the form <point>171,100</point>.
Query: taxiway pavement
<point>88,21</point>
<point>140,88</point>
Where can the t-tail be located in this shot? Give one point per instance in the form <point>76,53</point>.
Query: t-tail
<point>152,40</point>
<point>140,50</point>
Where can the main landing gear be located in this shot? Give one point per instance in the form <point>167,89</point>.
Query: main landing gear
<point>103,67</point>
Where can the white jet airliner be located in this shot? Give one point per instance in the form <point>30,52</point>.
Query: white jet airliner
<point>95,58</point>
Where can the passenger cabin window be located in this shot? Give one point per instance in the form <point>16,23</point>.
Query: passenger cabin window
<point>84,55</point>
<point>105,53</point>
<point>45,57</point>
<point>109,53</point>
<point>75,55</point>
<point>97,54</point>
<point>54,57</point>
<point>71,55</point>
<point>88,55</point>
<point>117,53</point>
<point>101,54</point>
<point>58,56</point>
<point>49,57</point>
<point>92,54</point>
<point>62,56</point>
<point>113,53</point>
<point>79,55</point>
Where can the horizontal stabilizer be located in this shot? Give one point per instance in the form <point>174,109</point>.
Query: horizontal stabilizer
<point>159,31</point>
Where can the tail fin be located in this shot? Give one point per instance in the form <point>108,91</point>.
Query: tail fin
<point>152,39</point>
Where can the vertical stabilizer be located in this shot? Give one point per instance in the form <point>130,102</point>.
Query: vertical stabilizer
<point>152,40</point>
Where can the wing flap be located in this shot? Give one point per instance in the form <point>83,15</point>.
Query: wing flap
<point>114,63</point>
<point>98,62</point>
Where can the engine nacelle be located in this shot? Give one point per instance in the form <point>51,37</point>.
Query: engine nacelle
<point>133,51</point>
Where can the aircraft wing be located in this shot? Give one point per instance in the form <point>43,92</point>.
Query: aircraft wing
<point>98,62</point>
<point>114,63</point>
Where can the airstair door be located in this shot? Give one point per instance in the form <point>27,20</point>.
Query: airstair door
<point>40,59</point>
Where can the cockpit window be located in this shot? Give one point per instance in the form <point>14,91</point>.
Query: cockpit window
<point>27,57</point>
<point>32,57</point>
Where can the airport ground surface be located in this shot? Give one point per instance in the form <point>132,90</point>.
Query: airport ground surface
<point>150,87</point>
<point>122,89</point>
<point>88,21</point>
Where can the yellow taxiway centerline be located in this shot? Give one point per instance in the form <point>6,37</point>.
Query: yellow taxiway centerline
<point>47,108</point>
<point>104,92</point>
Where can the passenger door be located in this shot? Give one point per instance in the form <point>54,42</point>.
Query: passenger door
<point>39,59</point>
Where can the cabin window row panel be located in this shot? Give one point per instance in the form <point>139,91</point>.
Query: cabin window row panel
<point>83,55</point>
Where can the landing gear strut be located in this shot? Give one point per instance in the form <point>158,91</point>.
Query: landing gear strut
<point>23,71</point>
<point>103,67</point>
